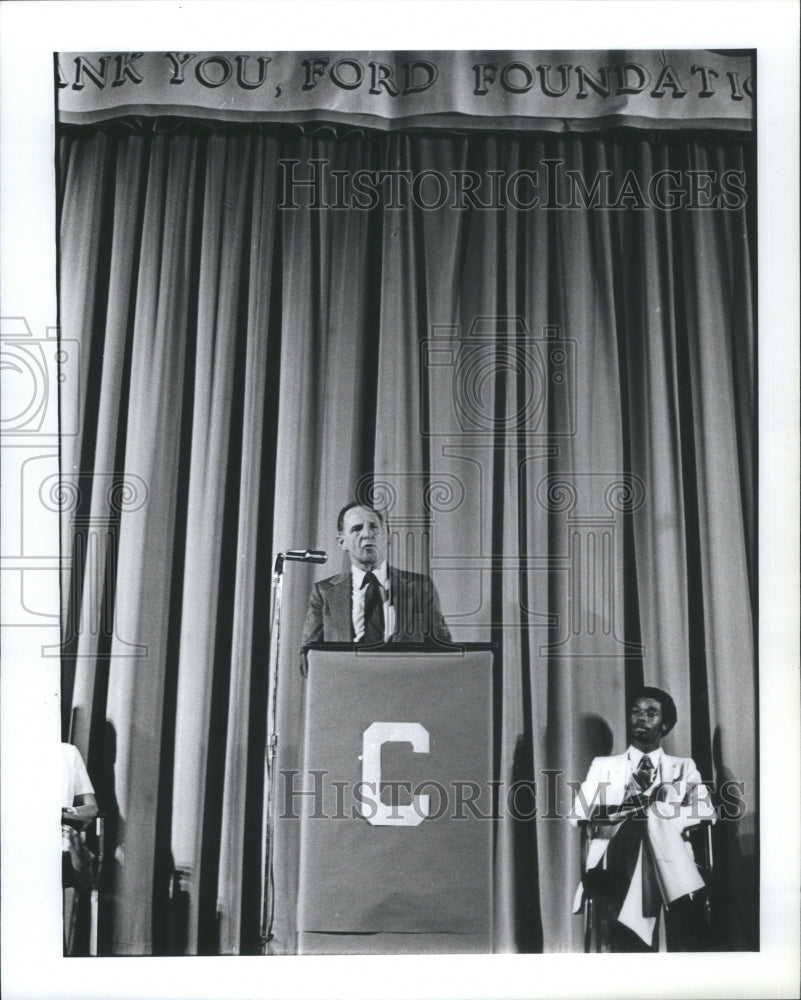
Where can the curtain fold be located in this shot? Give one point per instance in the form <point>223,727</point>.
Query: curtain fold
<point>556,407</point>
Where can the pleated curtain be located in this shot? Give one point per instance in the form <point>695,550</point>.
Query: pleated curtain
<point>245,369</point>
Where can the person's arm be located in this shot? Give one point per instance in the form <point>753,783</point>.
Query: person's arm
<point>81,813</point>
<point>686,800</point>
<point>697,802</point>
<point>313,626</point>
<point>441,630</point>
<point>588,796</point>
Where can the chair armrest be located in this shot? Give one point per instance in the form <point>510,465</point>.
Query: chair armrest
<point>692,828</point>
<point>699,837</point>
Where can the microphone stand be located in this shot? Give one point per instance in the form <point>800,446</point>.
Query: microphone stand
<point>268,806</point>
<point>268,810</point>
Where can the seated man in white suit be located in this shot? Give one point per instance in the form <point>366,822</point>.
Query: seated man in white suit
<point>638,858</point>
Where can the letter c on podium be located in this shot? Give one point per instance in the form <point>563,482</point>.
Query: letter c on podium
<point>372,808</point>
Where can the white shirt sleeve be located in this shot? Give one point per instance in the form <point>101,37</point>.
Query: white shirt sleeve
<point>74,776</point>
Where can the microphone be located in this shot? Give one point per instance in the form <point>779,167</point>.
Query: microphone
<point>306,555</point>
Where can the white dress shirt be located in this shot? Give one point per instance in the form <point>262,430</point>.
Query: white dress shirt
<point>358,595</point>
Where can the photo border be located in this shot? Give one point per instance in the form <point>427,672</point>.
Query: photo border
<point>32,964</point>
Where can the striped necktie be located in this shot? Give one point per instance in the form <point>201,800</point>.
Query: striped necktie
<point>643,777</point>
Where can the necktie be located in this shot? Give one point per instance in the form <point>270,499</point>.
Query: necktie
<point>373,610</point>
<point>639,782</point>
<point>624,847</point>
<point>644,775</point>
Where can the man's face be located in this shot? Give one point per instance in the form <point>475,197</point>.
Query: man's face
<point>647,725</point>
<point>363,537</point>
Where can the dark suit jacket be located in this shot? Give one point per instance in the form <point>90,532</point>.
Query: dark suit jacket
<point>418,617</point>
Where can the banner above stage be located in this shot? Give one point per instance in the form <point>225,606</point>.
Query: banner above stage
<point>521,90</point>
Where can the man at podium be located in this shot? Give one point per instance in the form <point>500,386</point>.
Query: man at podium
<point>372,602</point>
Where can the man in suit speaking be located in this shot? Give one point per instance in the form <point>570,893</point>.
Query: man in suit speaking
<point>638,804</point>
<point>372,603</point>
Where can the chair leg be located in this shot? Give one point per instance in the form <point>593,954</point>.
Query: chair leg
<point>589,921</point>
<point>598,921</point>
<point>93,906</point>
<point>70,912</point>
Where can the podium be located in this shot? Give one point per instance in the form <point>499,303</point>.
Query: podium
<point>396,810</point>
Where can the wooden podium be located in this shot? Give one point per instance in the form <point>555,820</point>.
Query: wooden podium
<point>396,837</point>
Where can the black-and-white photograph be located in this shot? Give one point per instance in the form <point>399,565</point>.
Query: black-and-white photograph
<point>400,423</point>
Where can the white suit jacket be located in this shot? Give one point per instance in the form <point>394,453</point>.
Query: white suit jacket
<point>687,799</point>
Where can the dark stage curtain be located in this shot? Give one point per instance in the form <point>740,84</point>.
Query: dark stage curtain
<point>244,368</point>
